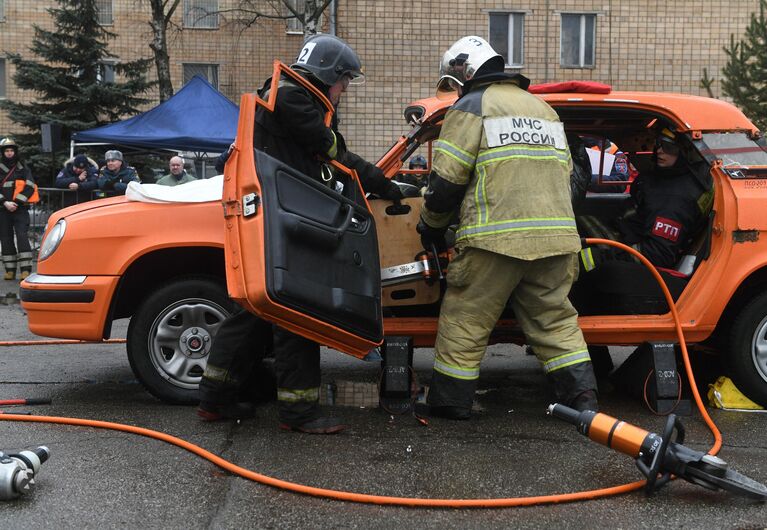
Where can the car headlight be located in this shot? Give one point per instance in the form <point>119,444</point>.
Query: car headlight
<point>52,239</point>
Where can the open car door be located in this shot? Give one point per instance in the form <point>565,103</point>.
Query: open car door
<point>298,253</point>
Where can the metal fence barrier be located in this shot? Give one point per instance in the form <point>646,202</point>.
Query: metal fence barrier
<point>51,200</point>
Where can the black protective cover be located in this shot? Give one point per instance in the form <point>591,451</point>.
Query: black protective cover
<point>321,250</point>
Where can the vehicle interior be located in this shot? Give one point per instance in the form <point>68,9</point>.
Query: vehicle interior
<point>615,287</point>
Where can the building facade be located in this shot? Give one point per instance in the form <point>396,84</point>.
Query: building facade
<point>631,45</point>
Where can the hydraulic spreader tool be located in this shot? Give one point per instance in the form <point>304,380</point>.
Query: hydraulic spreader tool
<point>660,457</point>
<point>18,470</point>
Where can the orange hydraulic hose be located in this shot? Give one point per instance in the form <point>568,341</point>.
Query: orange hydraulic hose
<point>679,333</point>
<point>407,501</point>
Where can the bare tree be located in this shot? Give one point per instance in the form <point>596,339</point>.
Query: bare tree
<point>162,11</point>
<point>246,13</point>
<point>307,12</point>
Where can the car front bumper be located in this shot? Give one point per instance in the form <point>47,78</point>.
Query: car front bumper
<point>68,307</point>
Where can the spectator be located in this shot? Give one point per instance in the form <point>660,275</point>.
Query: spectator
<point>115,175</point>
<point>17,192</point>
<point>79,174</point>
<point>419,180</point>
<point>177,175</point>
<point>222,158</point>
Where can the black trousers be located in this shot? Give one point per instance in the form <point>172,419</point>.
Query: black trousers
<point>234,366</point>
<point>14,222</point>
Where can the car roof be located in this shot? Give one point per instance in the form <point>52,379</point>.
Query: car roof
<point>687,112</point>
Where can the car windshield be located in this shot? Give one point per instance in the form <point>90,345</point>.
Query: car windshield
<point>735,149</point>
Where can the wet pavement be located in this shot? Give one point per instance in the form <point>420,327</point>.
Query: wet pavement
<point>105,479</point>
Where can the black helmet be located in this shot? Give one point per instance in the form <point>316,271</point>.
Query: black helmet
<point>417,161</point>
<point>329,59</point>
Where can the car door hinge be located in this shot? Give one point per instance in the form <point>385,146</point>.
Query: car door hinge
<point>246,208</point>
<point>231,208</point>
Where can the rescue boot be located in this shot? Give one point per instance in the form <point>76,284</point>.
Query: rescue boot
<point>575,386</point>
<point>321,425</point>
<point>9,275</point>
<point>210,411</point>
<point>24,274</point>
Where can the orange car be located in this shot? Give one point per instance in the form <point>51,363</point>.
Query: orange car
<point>316,270</point>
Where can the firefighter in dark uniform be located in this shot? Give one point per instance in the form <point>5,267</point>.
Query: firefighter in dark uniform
<point>17,192</point>
<point>670,206</point>
<point>294,133</point>
<point>502,157</point>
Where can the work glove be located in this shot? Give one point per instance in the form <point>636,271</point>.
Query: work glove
<point>391,192</point>
<point>432,238</point>
<point>589,258</point>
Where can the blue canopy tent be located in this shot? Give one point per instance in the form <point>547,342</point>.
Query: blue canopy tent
<point>196,118</point>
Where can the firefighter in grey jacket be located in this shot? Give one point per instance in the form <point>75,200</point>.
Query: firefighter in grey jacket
<point>502,156</point>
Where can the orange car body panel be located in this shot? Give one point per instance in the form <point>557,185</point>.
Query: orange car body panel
<point>739,205</point>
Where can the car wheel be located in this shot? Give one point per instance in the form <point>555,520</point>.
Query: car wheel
<point>170,335</point>
<point>747,356</point>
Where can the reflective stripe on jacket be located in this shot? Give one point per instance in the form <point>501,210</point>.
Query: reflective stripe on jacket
<point>509,149</point>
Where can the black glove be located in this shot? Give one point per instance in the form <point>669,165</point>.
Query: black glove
<point>589,258</point>
<point>391,192</point>
<point>432,237</point>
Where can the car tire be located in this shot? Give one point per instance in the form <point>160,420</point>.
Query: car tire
<point>747,355</point>
<point>170,335</point>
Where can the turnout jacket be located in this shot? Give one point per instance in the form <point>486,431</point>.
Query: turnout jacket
<point>671,206</point>
<point>295,133</point>
<point>503,156</point>
<point>10,173</point>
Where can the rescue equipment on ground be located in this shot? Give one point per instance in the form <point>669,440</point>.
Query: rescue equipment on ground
<point>18,471</point>
<point>723,394</point>
<point>659,457</point>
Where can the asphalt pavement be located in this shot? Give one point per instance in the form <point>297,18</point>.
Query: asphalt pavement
<point>99,478</point>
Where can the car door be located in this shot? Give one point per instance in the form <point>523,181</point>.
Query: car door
<point>298,253</point>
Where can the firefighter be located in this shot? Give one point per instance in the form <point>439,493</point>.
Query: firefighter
<point>17,192</point>
<point>294,133</point>
<point>670,205</point>
<point>502,157</point>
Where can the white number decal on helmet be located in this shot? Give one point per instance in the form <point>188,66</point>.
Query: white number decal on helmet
<point>306,52</point>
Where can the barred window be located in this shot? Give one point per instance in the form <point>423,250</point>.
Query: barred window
<point>507,34</point>
<point>207,71</point>
<point>105,12</point>
<point>577,40</point>
<point>201,14</point>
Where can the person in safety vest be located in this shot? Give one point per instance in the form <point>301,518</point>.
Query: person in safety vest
<point>502,157</point>
<point>17,192</point>
<point>621,169</point>
<point>670,205</point>
<point>294,133</point>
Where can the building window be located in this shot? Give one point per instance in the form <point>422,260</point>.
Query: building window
<point>106,72</point>
<point>105,12</point>
<point>577,40</point>
<point>201,14</point>
<point>507,37</point>
<point>206,71</point>
<point>2,10</point>
<point>2,79</point>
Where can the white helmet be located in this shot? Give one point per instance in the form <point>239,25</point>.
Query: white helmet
<point>462,60</point>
